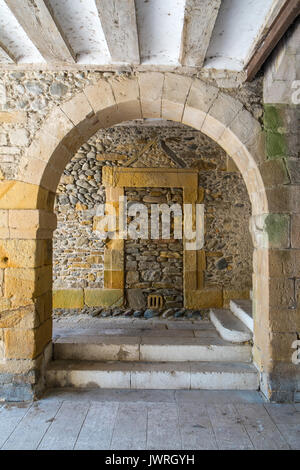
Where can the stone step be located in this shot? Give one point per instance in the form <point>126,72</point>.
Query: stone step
<point>206,346</point>
<point>229,326</point>
<point>147,375</point>
<point>242,309</point>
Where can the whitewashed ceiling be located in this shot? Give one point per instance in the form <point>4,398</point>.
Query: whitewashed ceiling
<point>206,34</point>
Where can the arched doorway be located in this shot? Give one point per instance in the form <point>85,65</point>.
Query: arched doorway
<point>27,203</point>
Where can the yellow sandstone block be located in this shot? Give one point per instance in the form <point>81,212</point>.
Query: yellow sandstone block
<point>19,195</point>
<point>208,297</point>
<point>21,285</point>
<point>27,344</point>
<point>68,298</point>
<point>25,253</point>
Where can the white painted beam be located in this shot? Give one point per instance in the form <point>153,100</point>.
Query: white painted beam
<point>40,25</point>
<point>199,21</point>
<point>6,56</point>
<point>237,28</point>
<point>118,20</point>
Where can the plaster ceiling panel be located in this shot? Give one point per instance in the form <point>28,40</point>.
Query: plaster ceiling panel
<point>81,25</point>
<point>160,28</point>
<point>238,26</point>
<point>15,40</point>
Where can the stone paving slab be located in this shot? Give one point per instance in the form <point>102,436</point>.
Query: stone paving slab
<point>149,419</point>
<point>85,321</point>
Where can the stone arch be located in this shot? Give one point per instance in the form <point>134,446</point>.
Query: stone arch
<point>27,203</point>
<point>150,95</point>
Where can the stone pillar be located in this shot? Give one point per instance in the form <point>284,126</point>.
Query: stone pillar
<point>276,309</point>
<point>277,254</point>
<point>25,301</point>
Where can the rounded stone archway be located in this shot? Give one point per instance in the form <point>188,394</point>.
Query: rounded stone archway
<point>26,206</point>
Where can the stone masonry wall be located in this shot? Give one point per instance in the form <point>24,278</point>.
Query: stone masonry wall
<point>281,125</point>
<point>26,100</point>
<point>155,266</point>
<point>30,96</point>
<point>78,253</point>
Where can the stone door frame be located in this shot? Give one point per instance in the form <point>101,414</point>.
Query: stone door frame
<point>115,179</point>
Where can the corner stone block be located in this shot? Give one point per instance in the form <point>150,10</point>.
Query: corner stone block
<point>27,344</point>
<point>68,298</point>
<point>44,305</point>
<point>104,297</point>
<point>23,285</point>
<point>151,87</point>
<point>23,318</point>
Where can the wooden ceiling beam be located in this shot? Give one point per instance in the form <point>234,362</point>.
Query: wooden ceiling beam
<point>39,23</point>
<point>199,21</point>
<point>287,15</point>
<point>6,55</point>
<point>118,20</point>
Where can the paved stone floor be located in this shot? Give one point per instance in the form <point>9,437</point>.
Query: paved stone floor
<point>156,419</point>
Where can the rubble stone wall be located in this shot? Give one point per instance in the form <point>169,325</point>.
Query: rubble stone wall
<point>78,252</point>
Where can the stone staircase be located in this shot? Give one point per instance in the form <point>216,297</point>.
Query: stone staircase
<point>160,355</point>
<point>236,324</point>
